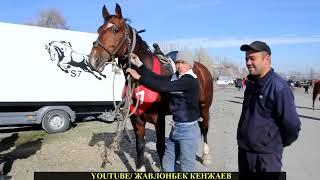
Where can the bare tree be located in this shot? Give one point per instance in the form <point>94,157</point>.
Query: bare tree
<point>311,74</point>
<point>203,57</point>
<point>228,64</point>
<point>232,68</point>
<point>244,72</point>
<point>296,75</point>
<point>201,54</point>
<point>168,47</point>
<point>50,18</point>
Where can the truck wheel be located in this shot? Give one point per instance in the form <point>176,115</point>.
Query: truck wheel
<point>56,121</point>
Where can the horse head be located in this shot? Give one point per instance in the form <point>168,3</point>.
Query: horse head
<point>113,40</point>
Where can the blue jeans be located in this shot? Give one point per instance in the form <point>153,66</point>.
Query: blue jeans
<point>183,141</point>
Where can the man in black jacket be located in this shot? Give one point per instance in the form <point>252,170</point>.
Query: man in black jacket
<point>183,88</point>
<point>269,120</point>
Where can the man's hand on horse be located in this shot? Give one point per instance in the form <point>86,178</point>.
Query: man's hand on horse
<point>135,60</point>
<point>134,74</point>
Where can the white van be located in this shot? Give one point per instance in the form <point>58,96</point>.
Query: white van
<point>224,80</point>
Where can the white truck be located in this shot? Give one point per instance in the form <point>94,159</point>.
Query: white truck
<point>45,78</point>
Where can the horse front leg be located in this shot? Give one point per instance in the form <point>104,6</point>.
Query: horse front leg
<point>204,126</point>
<point>139,130</point>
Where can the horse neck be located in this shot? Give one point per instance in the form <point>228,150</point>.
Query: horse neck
<point>143,52</point>
<point>141,49</point>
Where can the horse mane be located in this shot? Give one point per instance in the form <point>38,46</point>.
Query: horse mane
<point>141,47</point>
<point>138,37</point>
<point>144,43</point>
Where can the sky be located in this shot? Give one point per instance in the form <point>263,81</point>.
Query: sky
<point>290,27</point>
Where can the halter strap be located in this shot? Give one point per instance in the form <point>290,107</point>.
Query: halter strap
<point>126,38</point>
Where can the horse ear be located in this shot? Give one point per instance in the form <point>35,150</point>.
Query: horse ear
<point>105,13</point>
<point>118,11</point>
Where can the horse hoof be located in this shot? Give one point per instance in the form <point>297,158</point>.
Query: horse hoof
<point>141,169</point>
<point>206,162</point>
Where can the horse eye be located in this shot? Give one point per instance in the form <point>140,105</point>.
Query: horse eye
<point>115,29</point>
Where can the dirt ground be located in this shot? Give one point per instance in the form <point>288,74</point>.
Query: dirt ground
<point>26,150</point>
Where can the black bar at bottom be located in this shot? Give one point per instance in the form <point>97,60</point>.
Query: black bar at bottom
<point>157,175</point>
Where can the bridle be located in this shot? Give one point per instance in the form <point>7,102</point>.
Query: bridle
<point>125,39</point>
<point>122,110</point>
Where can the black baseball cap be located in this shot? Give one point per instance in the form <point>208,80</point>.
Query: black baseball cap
<point>256,46</point>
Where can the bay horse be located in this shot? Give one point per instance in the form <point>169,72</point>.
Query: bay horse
<point>316,91</point>
<point>115,40</point>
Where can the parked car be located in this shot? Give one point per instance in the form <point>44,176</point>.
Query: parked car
<point>305,83</point>
<point>225,80</point>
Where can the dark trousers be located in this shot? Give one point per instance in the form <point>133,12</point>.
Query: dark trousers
<point>255,162</point>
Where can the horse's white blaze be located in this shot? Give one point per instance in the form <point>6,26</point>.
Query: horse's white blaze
<point>109,25</point>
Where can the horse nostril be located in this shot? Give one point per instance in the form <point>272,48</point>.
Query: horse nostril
<point>96,61</point>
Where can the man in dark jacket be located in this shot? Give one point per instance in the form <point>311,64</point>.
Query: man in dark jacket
<point>183,88</point>
<point>269,120</point>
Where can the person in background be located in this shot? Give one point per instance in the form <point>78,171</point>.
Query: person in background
<point>306,89</point>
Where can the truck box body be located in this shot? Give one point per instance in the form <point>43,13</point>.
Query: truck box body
<point>48,67</point>
<point>28,74</point>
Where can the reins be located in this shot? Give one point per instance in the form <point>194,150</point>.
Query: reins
<point>122,110</point>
